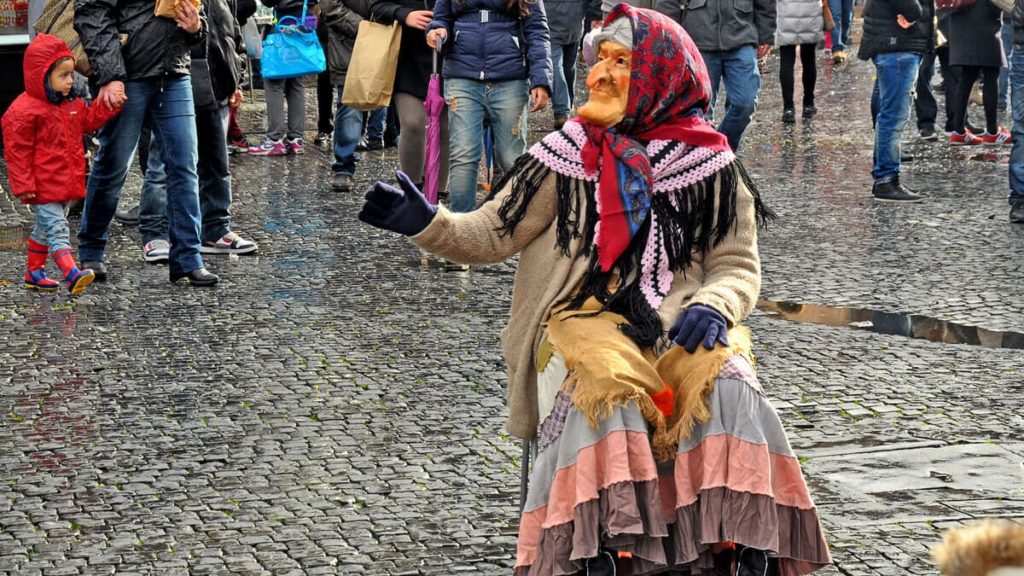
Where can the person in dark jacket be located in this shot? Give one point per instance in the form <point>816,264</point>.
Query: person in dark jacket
<point>1017,106</point>
<point>976,50</point>
<point>343,18</point>
<point>897,34</point>
<point>286,136</point>
<point>149,73</point>
<point>43,131</point>
<point>215,93</point>
<point>732,35</point>
<point>498,56</point>
<point>414,66</point>
<point>565,22</point>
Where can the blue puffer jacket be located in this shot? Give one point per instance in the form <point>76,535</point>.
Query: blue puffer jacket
<point>486,43</point>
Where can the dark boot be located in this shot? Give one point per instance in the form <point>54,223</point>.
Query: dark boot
<point>754,562</point>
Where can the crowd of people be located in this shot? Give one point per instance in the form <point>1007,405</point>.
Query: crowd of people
<point>501,60</point>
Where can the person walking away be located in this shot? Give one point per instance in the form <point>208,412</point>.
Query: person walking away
<point>565,24</point>
<point>410,91</point>
<point>43,131</point>
<point>343,18</point>
<point>223,50</point>
<point>799,26</point>
<point>324,93</point>
<point>150,76</point>
<point>976,50</point>
<point>897,34</point>
<point>497,68</point>
<point>732,35</point>
<point>1017,109</point>
<point>842,15</point>
<point>285,136</point>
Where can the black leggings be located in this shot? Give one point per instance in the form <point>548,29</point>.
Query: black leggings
<point>989,95</point>
<point>787,60</point>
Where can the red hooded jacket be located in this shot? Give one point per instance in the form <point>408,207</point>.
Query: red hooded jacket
<point>43,140</point>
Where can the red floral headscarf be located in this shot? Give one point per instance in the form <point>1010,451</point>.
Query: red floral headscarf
<point>669,94</point>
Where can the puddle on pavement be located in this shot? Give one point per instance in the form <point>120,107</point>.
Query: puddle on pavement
<point>909,325</point>
<point>14,237</point>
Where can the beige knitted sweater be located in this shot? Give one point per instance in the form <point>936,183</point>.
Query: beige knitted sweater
<point>727,279</point>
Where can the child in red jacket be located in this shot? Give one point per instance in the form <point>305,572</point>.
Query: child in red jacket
<point>43,131</point>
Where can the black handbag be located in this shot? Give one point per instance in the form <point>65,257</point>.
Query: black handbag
<point>202,85</point>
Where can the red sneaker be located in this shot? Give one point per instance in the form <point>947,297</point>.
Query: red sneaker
<point>965,139</point>
<point>1002,136</point>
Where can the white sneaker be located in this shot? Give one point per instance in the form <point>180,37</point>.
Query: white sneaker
<point>156,251</point>
<point>230,243</point>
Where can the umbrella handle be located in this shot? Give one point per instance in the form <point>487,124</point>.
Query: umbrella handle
<point>438,47</point>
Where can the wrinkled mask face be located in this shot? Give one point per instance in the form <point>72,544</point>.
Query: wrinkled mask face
<point>608,83</point>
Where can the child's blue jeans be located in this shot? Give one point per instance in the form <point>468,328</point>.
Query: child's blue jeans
<point>51,227</point>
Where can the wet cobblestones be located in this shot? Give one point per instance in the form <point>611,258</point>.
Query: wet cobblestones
<point>335,406</point>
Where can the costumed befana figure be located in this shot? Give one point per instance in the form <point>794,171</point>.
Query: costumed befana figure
<point>636,226</point>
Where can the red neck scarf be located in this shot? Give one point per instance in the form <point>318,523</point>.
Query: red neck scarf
<point>669,93</point>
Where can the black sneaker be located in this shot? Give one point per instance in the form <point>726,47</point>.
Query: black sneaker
<point>322,138</point>
<point>1017,213</point>
<point>754,562</point>
<point>788,116</point>
<point>129,217</point>
<point>99,269</point>
<point>602,565</point>
<point>893,191</point>
<point>810,111</point>
<point>929,133</point>
<point>342,183</point>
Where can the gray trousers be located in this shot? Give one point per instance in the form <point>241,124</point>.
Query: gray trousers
<point>412,144</point>
<point>276,93</point>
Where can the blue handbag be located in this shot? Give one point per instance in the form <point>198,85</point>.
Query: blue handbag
<point>292,50</point>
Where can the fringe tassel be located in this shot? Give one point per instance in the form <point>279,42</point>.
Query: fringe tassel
<point>689,220</point>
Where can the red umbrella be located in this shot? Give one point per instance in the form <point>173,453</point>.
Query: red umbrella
<point>434,105</point>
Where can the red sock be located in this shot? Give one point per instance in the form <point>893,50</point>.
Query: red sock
<point>65,260</point>
<point>37,254</point>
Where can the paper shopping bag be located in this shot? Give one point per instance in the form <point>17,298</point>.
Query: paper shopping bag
<point>371,73</point>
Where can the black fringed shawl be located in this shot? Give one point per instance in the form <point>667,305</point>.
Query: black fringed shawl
<point>688,221</point>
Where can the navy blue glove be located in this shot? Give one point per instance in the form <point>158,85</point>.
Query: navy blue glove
<point>699,323</point>
<point>404,210</point>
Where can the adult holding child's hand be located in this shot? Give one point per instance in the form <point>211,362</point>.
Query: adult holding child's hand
<point>112,94</point>
<point>187,16</point>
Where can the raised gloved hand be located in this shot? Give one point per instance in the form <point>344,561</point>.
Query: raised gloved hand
<point>404,210</point>
<point>696,324</point>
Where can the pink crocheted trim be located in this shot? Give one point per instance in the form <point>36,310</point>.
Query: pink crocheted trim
<point>678,166</point>
<point>560,151</point>
<point>738,367</point>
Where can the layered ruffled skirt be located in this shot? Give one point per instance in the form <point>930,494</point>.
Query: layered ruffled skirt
<point>734,478</point>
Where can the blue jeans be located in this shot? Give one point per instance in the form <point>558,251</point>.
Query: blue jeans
<point>469,102</point>
<point>375,124</point>
<point>348,128</point>
<point>51,228</point>
<point>563,63</point>
<point>214,182</point>
<point>167,104</point>
<point>842,14</point>
<point>897,74</point>
<point>1017,148</point>
<point>738,68</point>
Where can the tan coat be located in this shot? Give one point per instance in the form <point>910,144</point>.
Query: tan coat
<point>728,279</point>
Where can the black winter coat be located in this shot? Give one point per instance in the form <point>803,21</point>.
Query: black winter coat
<point>342,18</point>
<point>223,48</point>
<point>883,35</point>
<point>415,59</point>
<point>155,46</point>
<point>974,38</point>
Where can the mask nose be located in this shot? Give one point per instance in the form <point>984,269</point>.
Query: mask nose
<point>598,73</point>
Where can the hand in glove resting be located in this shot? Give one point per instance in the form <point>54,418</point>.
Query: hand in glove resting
<point>404,210</point>
<point>699,323</point>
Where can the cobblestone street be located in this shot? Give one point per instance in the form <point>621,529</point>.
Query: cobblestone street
<point>336,404</point>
